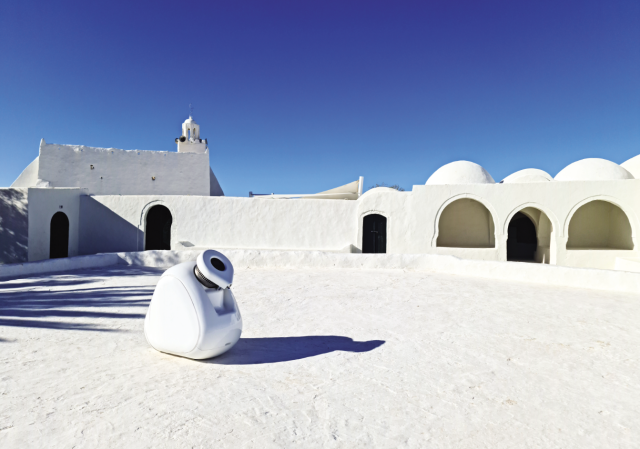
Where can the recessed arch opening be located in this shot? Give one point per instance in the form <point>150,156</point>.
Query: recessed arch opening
<point>59,236</point>
<point>600,225</point>
<point>466,223</point>
<point>374,234</point>
<point>529,236</point>
<point>157,232</point>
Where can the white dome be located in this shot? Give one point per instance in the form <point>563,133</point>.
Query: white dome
<point>528,175</point>
<point>632,166</point>
<point>460,172</point>
<point>593,169</point>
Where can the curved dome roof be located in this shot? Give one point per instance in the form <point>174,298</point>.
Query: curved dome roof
<point>381,189</point>
<point>632,166</point>
<point>460,172</point>
<point>593,169</point>
<point>528,175</point>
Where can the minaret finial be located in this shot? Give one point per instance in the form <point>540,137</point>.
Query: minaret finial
<point>190,111</point>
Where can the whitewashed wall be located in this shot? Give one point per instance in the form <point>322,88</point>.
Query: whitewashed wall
<point>222,222</point>
<point>413,217</point>
<point>116,223</point>
<point>43,204</point>
<point>120,172</point>
<point>14,225</point>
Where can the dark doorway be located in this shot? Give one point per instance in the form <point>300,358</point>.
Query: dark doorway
<point>59,236</point>
<point>158,228</point>
<point>374,234</point>
<point>522,239</point>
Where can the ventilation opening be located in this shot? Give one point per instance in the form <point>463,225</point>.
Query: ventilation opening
<point>218,264</point>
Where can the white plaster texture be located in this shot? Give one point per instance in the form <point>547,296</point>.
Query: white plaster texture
<point>226,222</point>
<point>43,204</point>
<point>413,221</point>
<point>329,358</point>
<point>632,166</point>
<point>14,225</point>
<point>593,169</point>
<point>548,275</point>
<point>623,264</point>
<point>528,175</point>
<point>109,171</point>
<point>460,172</point>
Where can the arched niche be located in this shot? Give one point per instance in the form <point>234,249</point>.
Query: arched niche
<point>466,223</point>
<point>529,236</point>
<point>374,233</point>
<point>59,236</point>
<point>157,231</point>
<point>599,224</point>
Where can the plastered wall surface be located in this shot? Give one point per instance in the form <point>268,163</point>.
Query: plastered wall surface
<point>43,204</point>
<point>413,217</point>
<point>14,225</point>
<point>220,221</point>
<point>412,220</point>
<point>466,223</point>
<point>599,224</point>
<point>511,271</point>
<point>120,172</point>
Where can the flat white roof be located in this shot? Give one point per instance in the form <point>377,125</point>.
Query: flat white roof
<point>328,358</point>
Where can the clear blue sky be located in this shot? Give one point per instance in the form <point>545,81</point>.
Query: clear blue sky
<point>301,96</point>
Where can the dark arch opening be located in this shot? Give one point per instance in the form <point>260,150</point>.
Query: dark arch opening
<point>158,228</point>
<point>374,234</point>
<point>59,236</point>
<point>522,240</point>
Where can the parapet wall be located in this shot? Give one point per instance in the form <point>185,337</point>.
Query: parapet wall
<point>609,280</point>
<point>550,275</point>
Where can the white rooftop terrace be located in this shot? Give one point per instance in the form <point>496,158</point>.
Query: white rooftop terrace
<point>328,358</point>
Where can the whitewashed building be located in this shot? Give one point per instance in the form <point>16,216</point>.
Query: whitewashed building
<point>75,200</point>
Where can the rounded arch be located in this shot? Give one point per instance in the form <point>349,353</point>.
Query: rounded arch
<point>59,236</point>
<point>633,221</point>
<point>599,223</point>
<point>374,233</point>
<point>522,208</point>
<point>465,221</point>
<point>492,222</point>
<point>157,227</point>
<point>521,245</point>
<point>361,225</point>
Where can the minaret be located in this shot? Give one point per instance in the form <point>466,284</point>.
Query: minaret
<point>190,141</point>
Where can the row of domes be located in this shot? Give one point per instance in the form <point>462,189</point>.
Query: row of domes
<point>465,172</point>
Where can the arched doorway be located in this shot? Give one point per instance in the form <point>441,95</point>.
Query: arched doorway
<point>466,223</point>
<point>530,237</point>
<point>522,240</point>
<point>158,228</point>
<point>599,225</point>
<point>374,234</point>
<point>59,236</point>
